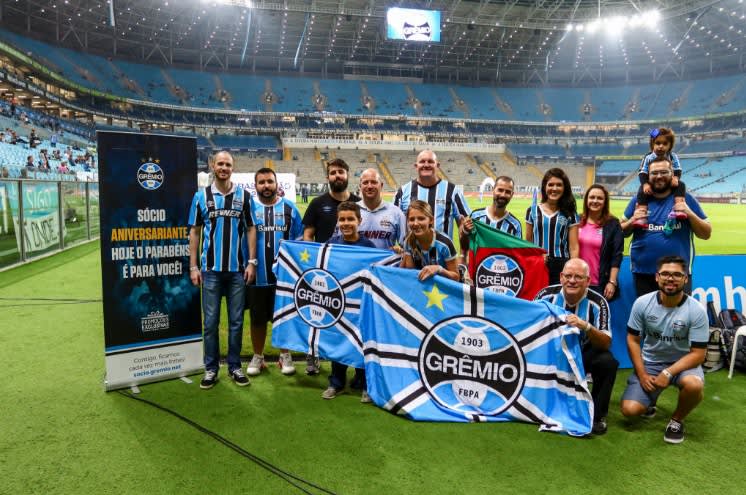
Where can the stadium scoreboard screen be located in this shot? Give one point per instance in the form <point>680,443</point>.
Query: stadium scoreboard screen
<point>413,24</point>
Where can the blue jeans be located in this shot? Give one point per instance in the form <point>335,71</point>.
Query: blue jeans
<point>215,285</point>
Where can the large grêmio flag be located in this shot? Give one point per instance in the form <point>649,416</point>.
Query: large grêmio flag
<point>439,350</point>
<point>505,264</point>
<point>317,303</point>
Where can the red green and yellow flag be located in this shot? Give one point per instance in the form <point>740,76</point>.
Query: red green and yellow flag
<point>505,264</point>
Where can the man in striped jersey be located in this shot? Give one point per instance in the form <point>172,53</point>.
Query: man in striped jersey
<point>448,204</point>
<point>495,215</point>
<point>589,312</point>
<point>275,219</point>
<point>383,223</point>
<point>221,213</point>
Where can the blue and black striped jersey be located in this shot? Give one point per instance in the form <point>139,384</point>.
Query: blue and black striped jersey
<point>225,218</point>
<point>592,308</point>
<point>439,252</point>
<point>552,232</point>
<point>508,224</point>
<point>447,202</point>
<point>274,223</point>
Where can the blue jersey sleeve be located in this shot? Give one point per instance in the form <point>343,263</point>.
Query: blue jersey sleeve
<point>296,229</point>
<point>645,163</point>
<point>675,163</point>
<point>636,317</point>
<point>694,205</point>
<point>195,212</point>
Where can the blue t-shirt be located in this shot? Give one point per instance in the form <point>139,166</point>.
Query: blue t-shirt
<point>361,241</point>
<point>439,252</point>
<point>668,334</point>
<point>651,244</point>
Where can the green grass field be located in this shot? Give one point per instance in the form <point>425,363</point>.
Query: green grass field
<point>61,433</point>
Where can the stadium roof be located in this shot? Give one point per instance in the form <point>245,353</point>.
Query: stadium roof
<point>560,42</point>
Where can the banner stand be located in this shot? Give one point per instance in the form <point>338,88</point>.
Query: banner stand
<point>152,313</point>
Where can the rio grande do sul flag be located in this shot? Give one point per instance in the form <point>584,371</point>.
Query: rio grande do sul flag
<point>505,264</point>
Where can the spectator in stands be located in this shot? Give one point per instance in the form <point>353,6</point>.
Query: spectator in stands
<point>446,202</point>
<point>284,222</point>
<point>495,215</point>
<point>664,236</point>
<point>601,241</point>
<point>553,224</point>
<point>30,163</point>
<point>32,139</point>
<point>320,220</point>
<point>63,168</point>
<point>661,145</point>
<point>53,140</point>
<point>426,249</point>
<point>382,223</point>
<point>589,312</point>
<point>221,271</point>
<point>667,335</point>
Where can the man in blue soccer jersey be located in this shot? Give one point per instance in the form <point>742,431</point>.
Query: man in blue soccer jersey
<point>275,219</point>
<point>590,314</point>
<point>382,222</point>
<point>495,215</point>
<point>320,220</point>
<point>221,212</point>
<point>667,336</point>
<point>663,236</point>
<point>447,203</point>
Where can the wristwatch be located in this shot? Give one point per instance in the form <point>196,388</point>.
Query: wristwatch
<point>253,261</point>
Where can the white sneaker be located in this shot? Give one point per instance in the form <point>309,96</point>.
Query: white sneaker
<point>286,364</point>
<point>256,365</point>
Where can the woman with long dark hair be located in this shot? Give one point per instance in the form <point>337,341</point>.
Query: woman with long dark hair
<point>601,241</point>
<point>553,224</point>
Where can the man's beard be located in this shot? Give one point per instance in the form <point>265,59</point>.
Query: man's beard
<point>268,194</point>
<point>672,292</point>
<point>501,203</point>
<point>337,186</point>
<point>663,188</point>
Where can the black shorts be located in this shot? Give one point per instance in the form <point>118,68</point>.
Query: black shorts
<point>260,301</point>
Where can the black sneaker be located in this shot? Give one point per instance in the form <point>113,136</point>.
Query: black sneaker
<point>674,432</point>
<point>650,412</point>
<point>239,378</point>
<point>209,380</point>
<point>312,365</point>
<point>599,426</point>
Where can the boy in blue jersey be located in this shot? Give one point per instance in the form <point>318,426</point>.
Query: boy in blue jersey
<point>276,219</point>
<point>348,221</point>
<point>221,212</point>
<point>662,237</point>
<point>446,202</point>
<point>667,337</point>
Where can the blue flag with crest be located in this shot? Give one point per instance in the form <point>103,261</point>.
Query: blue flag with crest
<point>439,350</point>
<point>317,303</point>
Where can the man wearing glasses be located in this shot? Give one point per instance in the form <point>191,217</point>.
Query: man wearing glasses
<point>667,336</point>
<point>589,312</point>
<point>664,235</point>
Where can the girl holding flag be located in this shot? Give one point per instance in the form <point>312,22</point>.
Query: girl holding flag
<point>553,224</point>
<point>426,249</point>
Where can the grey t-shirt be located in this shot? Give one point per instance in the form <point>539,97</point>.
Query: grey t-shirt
<point>668,334</point>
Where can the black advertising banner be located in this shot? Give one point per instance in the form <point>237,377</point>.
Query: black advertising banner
<point>152,316</point>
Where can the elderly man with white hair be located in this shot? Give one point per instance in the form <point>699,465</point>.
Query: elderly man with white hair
<point>589,313</point>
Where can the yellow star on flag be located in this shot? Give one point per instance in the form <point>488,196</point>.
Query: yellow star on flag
<point>435,297</point>
<point>305,256</point>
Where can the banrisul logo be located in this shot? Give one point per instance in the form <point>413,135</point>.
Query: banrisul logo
<point>500,273</point>
<point>150,176</point>
<point>472,365</point>
<point>319,298</point>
